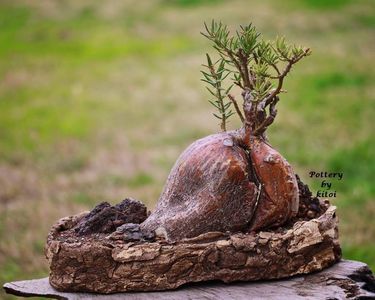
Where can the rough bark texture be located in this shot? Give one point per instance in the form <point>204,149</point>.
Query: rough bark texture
<point>103,263</point>
<point>344,280</point>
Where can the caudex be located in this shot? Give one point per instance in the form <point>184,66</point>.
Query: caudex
<point>234,180</point>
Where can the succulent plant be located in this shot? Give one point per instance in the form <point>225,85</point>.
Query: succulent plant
<point>234,180</point>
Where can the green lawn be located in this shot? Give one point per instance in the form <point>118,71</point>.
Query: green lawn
<point>97,100</point>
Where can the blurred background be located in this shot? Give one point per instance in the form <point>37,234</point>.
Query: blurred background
<point>98,99</point>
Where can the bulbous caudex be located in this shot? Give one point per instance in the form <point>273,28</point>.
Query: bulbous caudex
<point>218,185</point>
<point>280,188</point>
<point>234,181</point>
<point>208,189</point>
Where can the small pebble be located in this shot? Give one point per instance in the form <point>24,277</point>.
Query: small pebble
<point>228,142</point>
<point>311,214</point>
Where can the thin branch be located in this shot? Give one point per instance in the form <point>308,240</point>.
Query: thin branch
<point>291,62</point>
<point>259,69</point>
<point>276,69</point>
<point>215,78</point>
<point>269,119</point>
<point>238,83</point>
<point>236,107</point>
<point>236,63</point>
<point>244,60</point>
<point>220,98</point>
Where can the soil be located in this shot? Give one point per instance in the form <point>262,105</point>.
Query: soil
<point>121,222</point>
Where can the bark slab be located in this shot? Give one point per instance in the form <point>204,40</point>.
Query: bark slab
<point>344,280</point>
<point>105,263</point>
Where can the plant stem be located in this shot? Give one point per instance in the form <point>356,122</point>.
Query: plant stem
<point>236,107</point>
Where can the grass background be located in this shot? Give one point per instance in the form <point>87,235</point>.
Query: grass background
<point>98,98</point>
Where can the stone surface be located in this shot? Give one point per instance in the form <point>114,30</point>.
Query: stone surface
<point>344,280</point>
<point>101,263</point>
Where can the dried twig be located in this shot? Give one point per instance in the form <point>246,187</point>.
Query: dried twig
<point>236,107</point>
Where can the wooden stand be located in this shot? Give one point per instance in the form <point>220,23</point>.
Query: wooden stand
<point>344,280</point>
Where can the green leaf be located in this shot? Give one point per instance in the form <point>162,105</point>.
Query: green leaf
<point>228,89</point>
<point>214,104</point>
<point>217,116</point>
<point>211,92</point>
<point>244,50</point>
<point>209,82</point>
<point>206,75</point>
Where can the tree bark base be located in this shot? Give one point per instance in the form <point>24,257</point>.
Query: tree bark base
<point>99,263</point>
<point>345,280</point>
